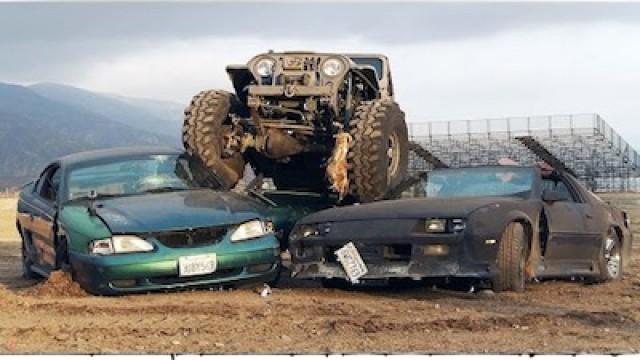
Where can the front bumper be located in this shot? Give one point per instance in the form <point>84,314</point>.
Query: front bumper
<point>134,273</point>
<point>315,260</point>
<point>289,90</point>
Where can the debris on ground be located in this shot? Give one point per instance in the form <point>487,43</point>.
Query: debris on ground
<point>59,284</point>
<point>266,291</point>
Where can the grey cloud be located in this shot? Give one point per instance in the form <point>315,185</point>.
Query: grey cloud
<point>41,39</point>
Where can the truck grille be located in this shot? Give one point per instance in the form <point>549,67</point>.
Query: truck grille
<point>192,237</point>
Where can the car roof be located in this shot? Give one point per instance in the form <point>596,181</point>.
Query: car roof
<point>114,153</point>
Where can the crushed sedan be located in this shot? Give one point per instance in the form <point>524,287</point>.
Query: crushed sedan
<point>494,226</point>
<point>141,219</point>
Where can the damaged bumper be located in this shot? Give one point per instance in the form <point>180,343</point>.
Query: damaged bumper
<point>427,257</point>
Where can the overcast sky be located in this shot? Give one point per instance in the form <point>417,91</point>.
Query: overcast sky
<point>449,60</point>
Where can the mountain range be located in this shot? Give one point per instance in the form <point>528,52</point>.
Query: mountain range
<point>41,122</point>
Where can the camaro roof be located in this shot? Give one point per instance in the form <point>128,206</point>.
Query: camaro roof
<point>104,154</point>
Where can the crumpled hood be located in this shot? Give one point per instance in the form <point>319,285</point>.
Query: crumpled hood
<point>176,210</point>
<point>405,209</point>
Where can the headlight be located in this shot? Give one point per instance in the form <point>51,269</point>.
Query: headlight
<point>124,244</point>
<point>264,67</point>
<point>435,225</point>
<point>444,225</point>
<point>332,67</point>
<point>252,229</point>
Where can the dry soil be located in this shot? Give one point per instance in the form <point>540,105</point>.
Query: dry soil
<point>552,316</point>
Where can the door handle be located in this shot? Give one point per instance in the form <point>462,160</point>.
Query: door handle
<point>588,216</point>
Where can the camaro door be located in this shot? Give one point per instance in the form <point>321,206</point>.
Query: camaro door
<point>569,241</point>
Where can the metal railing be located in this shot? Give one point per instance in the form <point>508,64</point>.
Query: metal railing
<point>586,141</point>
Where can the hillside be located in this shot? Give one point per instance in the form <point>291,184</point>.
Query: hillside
<point>160,117</point>
<point>35,129</point>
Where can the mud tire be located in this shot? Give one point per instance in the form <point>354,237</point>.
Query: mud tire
<point>374,125</point>
<point>511,260</point>
<point>204,120</point>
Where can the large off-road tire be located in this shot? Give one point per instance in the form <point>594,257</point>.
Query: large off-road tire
<point>610,260</point>
<point>379,152</point>
<point>205,121</point>
<point>511,260</point>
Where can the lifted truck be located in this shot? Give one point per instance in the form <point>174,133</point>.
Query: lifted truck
<point>310,121</point>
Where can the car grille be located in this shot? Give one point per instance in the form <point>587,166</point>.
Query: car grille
<point>192,237</point>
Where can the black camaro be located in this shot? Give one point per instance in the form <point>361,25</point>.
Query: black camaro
<point>497,226</point>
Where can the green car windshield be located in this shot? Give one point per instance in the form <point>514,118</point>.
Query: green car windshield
<point>474,182</point>
<point>138,175</point>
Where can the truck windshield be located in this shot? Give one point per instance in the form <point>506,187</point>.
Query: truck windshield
<point>375,62</point>
<point>474,182</point>
<point>137,175</point>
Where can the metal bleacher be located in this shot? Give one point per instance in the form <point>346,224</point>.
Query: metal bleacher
<point>583,144</point>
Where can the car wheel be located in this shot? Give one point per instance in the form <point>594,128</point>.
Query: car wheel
<point>611,258</point>
<point>511,260</point>
<point>27,272</point>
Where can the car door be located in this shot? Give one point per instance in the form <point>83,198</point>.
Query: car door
<point>569,243</point>
<point>43,215</point>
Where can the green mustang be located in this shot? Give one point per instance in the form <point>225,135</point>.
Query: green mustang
<point>141,219</point>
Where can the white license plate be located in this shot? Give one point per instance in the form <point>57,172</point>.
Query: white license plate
<point>197,264</point>
<point>352,263</point>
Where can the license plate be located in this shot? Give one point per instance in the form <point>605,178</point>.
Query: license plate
<point>352,263</point>
<point>197,264</point>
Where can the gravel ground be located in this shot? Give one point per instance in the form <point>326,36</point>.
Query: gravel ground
<point>552,316</point>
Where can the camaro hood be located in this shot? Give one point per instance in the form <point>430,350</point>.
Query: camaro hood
<point>405,209</point>
<point>176,210</point>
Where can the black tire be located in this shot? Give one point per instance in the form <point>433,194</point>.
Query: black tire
<point>511,260</point>
<point>375,124</point>
<point>611,259</point>
<point>27,272</point>
<point>202,134</point>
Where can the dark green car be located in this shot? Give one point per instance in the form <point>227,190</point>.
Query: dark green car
<point>141,219</point>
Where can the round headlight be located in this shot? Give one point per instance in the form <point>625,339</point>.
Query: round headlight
<point>264,67</point>
<point>332,67</point>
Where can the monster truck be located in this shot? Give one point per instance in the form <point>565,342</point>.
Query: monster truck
<point>309,121</point>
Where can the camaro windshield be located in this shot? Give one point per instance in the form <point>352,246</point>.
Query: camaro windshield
<point>475,182</point>
<point>138,175</point>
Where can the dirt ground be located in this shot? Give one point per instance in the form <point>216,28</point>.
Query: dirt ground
<point>552,316</point>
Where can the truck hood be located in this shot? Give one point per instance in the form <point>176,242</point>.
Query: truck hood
<point>406,209</point>
<point>176,210</point>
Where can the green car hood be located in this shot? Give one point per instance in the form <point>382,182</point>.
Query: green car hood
<point>176,210</point>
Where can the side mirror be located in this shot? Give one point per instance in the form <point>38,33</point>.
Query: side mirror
<point>551,196</point>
